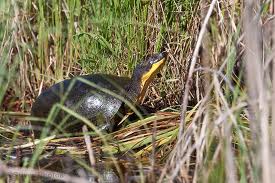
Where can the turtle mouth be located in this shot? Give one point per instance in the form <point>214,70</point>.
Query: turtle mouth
<point>157,63</point>
<point>158,58</point>
<point>147,77</point>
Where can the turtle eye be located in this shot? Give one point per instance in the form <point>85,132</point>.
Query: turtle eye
<point>149,66</point>
<point>151,60</point>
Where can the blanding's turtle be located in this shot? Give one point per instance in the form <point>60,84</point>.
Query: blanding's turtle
<point>93,103</point>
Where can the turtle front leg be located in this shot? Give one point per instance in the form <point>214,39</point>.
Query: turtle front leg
<point>104,124</point>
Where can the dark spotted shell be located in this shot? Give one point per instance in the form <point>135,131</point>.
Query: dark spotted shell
<point>84,99</point>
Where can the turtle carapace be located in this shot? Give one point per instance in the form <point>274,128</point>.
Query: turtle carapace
<point>93,103</point>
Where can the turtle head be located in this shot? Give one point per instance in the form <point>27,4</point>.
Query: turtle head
<point>145,72</point>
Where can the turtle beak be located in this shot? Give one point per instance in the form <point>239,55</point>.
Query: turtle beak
<point>147,77</point>
<point>159,57</point>
<point>157,64</point>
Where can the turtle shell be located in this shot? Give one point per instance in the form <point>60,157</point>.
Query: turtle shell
<point>91,102</point>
